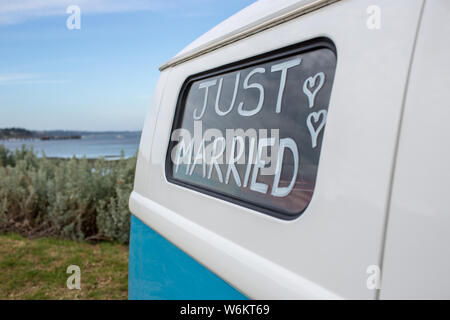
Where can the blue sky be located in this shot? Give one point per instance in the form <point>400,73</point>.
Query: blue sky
<point>101,76</point>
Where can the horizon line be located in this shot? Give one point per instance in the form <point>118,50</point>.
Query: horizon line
<point>72,130</point>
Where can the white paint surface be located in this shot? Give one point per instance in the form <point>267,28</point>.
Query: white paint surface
<point>417,258</point>
<point>324,253</point>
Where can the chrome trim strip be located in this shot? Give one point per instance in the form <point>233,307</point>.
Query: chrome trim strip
<point>247,32</point>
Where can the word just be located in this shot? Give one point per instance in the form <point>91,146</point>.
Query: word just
<point>282,68</point>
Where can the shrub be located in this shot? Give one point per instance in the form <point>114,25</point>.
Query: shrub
<point>77,199</point>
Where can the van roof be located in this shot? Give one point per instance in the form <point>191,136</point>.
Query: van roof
<point>261,15</point>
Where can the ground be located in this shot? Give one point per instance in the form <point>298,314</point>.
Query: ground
<point>36,269</point>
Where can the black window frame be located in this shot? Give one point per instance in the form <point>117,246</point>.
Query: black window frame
<point>299,48</point>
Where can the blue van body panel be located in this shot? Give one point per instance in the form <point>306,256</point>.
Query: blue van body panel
<point>159,270</point>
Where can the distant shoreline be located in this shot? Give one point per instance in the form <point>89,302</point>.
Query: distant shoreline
<point>74,137</point>
<point>92,146</point>
<point>18,134</point>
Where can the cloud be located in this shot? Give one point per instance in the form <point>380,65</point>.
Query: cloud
<point>8,77</point>
<point>26,78</point>
<point>17,11</point>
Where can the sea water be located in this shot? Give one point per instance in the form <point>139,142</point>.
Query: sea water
<point>91,145</point>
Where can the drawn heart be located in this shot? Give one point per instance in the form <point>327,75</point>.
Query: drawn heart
<point>310,83</point>
<point>315,132</point>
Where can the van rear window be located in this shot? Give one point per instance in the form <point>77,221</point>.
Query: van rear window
<point>251,132</point>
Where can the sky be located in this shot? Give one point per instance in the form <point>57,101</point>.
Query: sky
<point>99,77</point>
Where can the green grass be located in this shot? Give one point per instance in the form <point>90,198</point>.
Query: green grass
<point>36,269</point>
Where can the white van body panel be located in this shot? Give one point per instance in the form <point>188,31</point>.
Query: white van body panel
<point>255,14</point>
<point>252,19</point>
<point>324,253</point>
<point>417,257</point>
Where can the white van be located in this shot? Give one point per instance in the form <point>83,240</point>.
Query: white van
<point>298,150</point>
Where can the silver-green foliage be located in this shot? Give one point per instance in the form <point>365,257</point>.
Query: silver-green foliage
<point>77,198</point>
